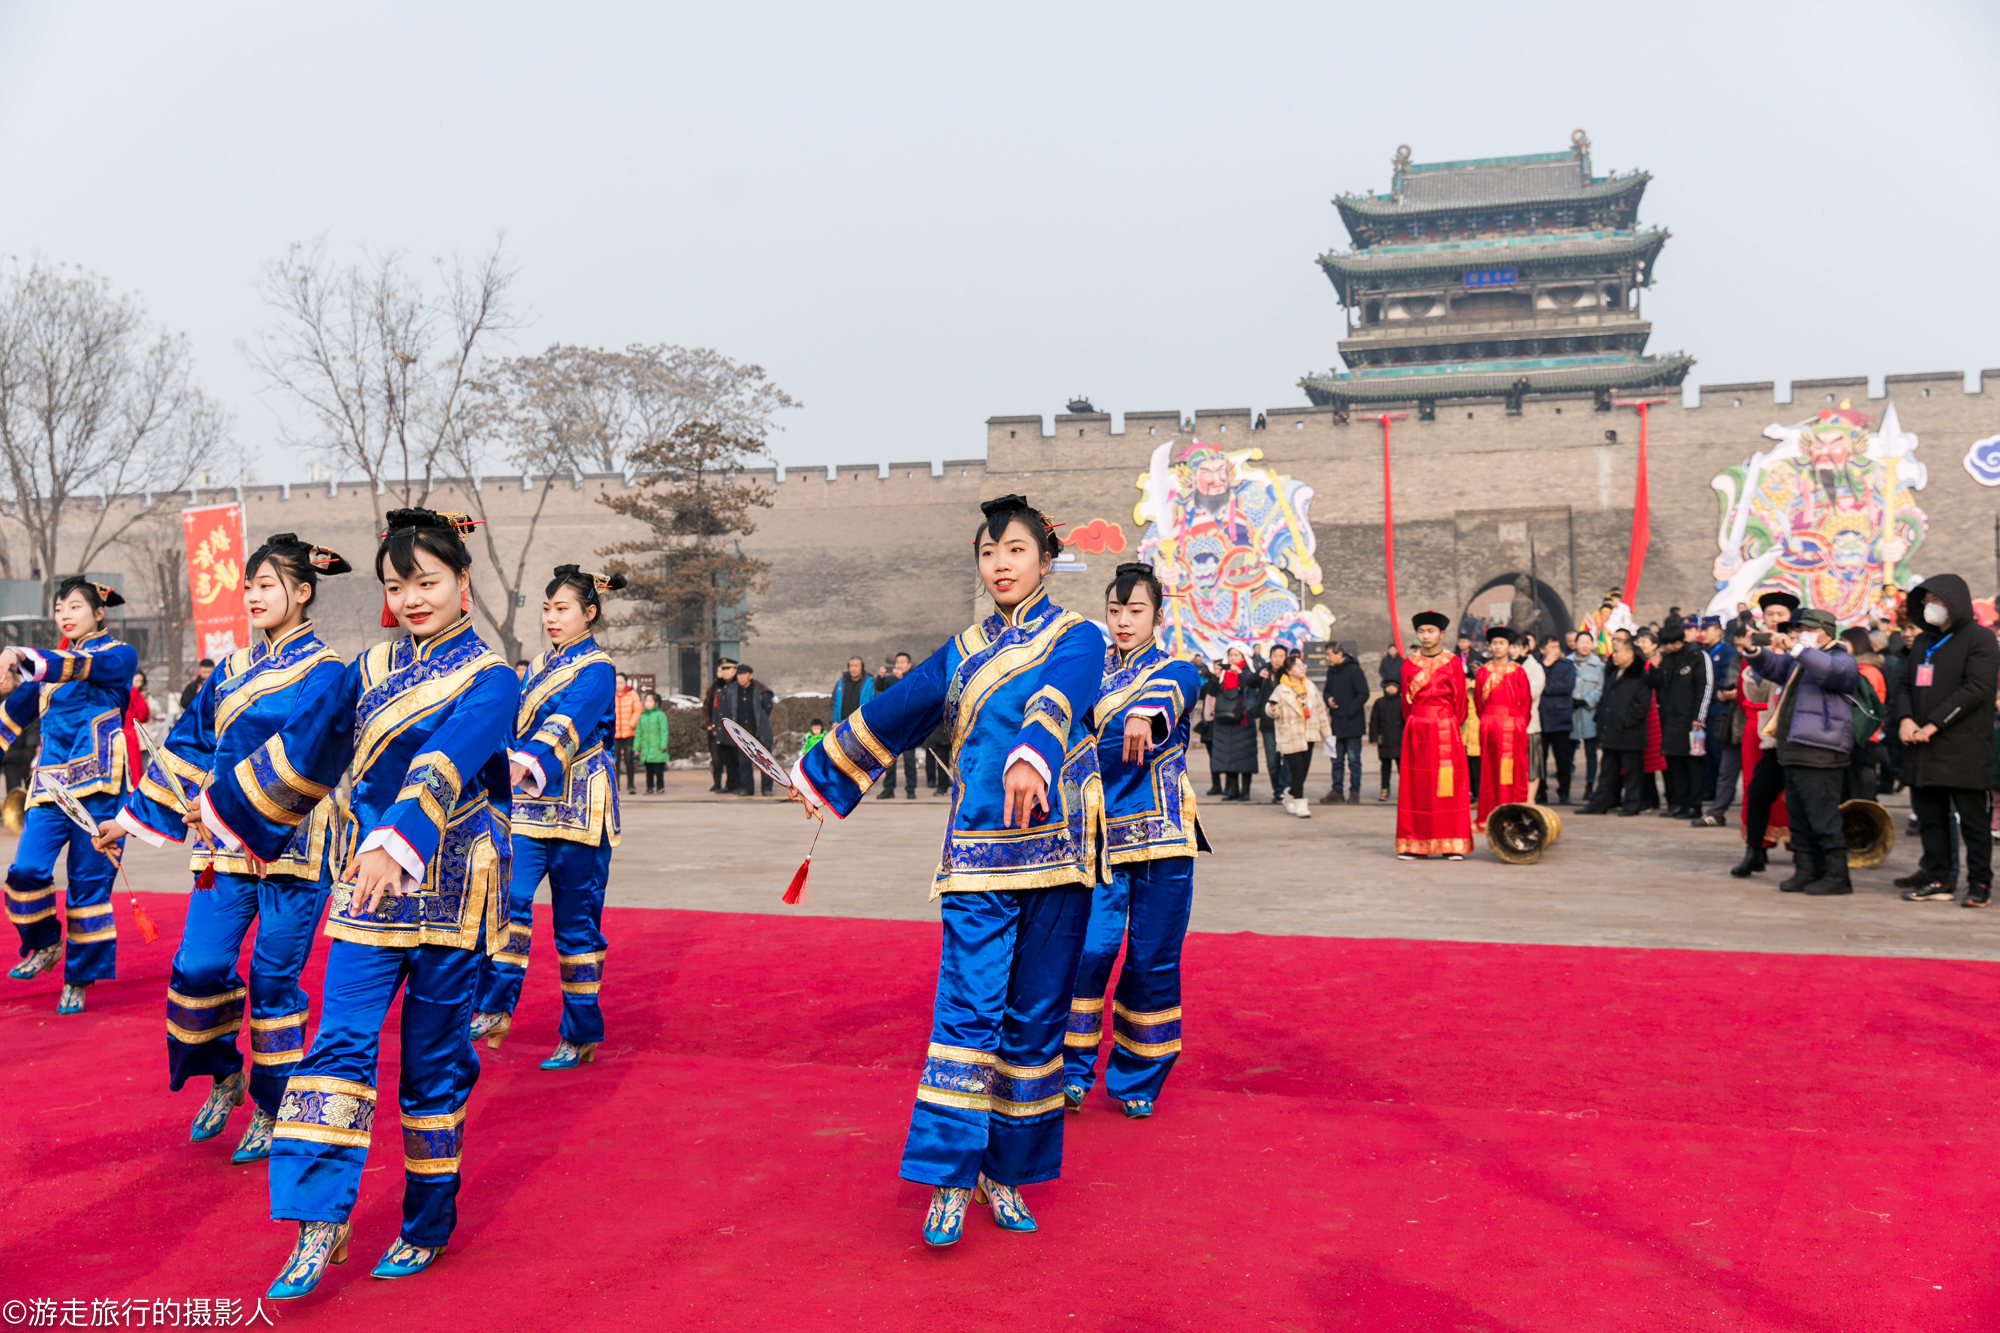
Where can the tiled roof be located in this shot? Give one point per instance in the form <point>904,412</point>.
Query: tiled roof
<point>1341,390</point>
<point>1522,253</point>
<point>1430,190</point>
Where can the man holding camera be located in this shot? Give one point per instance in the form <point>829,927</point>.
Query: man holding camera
<point>1815,735</point>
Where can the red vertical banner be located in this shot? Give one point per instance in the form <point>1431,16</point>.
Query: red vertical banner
<point>215,579</point>
<point>1642,515</point>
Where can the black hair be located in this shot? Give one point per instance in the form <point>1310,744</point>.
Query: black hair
<point>1131,576</point>
<point>97,594</point>
<point>413,530</point>
<point>300,562</point>
<point>1009,509</point>
<point>586,585</point>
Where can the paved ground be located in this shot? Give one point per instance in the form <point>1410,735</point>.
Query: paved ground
<point>1644,882</point>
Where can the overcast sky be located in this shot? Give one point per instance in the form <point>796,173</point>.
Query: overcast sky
<point>915,217</point>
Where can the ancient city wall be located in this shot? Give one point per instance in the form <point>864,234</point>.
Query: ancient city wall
<point>871,559</point>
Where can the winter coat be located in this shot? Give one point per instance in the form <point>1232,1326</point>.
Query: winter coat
<point>1588,690</point>
<point>1685,685</point>
<point>858,692</point>
<point>760,704</point>
<point>650,738</point>
<point>1299,719</point>
<point>1385,725</point>
<point>1964,660</point>
<point>1622,712</point>
<point>1391,670</point>
<point>1264,685</point>
<point>1558,705</point>
<point>1346,697</point>
<point>1232,740</point>
<point>1822,709</point>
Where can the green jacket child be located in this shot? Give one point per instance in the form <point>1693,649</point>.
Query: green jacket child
<point>650,737</point>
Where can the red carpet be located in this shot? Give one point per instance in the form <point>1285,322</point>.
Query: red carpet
<point>1363,1135</point>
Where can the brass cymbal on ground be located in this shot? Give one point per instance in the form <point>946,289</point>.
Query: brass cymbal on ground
<point>1870,833</point>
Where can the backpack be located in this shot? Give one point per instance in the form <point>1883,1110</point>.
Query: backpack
<point>1866,714</point>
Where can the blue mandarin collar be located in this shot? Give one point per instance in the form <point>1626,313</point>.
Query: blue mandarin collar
<point>289,639</point>
<point>95,639</point>
<point>1029,615</point>
<point>453,636</point>
<point>573,649</point>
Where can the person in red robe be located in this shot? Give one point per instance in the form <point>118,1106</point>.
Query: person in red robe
<point>1433,817</point>
<point>1504,698</point>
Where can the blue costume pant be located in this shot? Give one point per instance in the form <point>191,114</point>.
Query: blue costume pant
<point>92,952</point>
<point>322,1137</point>
<point>577,874</point>
<point>1145,907</point>
<point>990,1099</point>
<point>205,995</point>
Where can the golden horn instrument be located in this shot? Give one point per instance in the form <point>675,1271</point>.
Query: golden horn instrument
<point>1870,832</point>
<point>13,810</point>
<point>1519,833</point>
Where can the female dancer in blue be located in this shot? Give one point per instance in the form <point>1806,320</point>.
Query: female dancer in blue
<point>252,693</point>
<point>81,692</point>
<point>424,720</point>
<point>1019,859</point>
<point>1151,835</point>
<point>566,823</point>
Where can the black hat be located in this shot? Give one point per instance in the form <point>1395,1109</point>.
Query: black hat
<point>1778,597</point>
<point>1502,634</point>
<point>1435,619</point>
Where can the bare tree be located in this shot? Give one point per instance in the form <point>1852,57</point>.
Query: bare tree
<point>159,557</point>
<point>376,360</point>
<point>548,416</point>
<point>580,409</point>
<point>94,404</point>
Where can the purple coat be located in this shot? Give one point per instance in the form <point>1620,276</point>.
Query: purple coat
<point>1822,713</point>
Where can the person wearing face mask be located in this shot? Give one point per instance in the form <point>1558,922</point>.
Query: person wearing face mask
<point>1814,730</point>
<point>1944,711</point>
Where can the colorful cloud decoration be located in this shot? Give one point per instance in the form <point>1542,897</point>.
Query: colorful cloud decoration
<point>1982,460</point>
<point>1098,537</point>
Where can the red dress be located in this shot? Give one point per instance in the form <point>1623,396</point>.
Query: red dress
<point>1504,701</point>
<point>1433,817</point>
<point>136,711</point>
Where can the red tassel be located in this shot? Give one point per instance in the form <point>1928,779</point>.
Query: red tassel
<point>798,883</point>
<point>465,599</point>
<point>206,879</point>
<point>147,930</point>
<point>388,617</point>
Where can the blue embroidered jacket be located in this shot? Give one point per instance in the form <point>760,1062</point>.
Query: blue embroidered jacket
<point>247,698</point>
<point>81,694</point>
<point>1149,810</point>
<point>1010,685</point>
<point>422,730</point>
<point>562,732</point>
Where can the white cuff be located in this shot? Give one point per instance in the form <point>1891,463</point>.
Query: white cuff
<point>1146,710</point>
<point>1025,754</point>
<point>529,762</point>
<point>41,664</point>
<point>213,823</point>
<point>151,837</point>
<point>401,853</point>
<point>804,787</point>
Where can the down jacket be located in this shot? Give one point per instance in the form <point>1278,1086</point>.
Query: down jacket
<point>1823,710</point>
<point>1964,660</point>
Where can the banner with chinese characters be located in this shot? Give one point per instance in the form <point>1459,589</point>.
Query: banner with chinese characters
<point>215,579</point>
